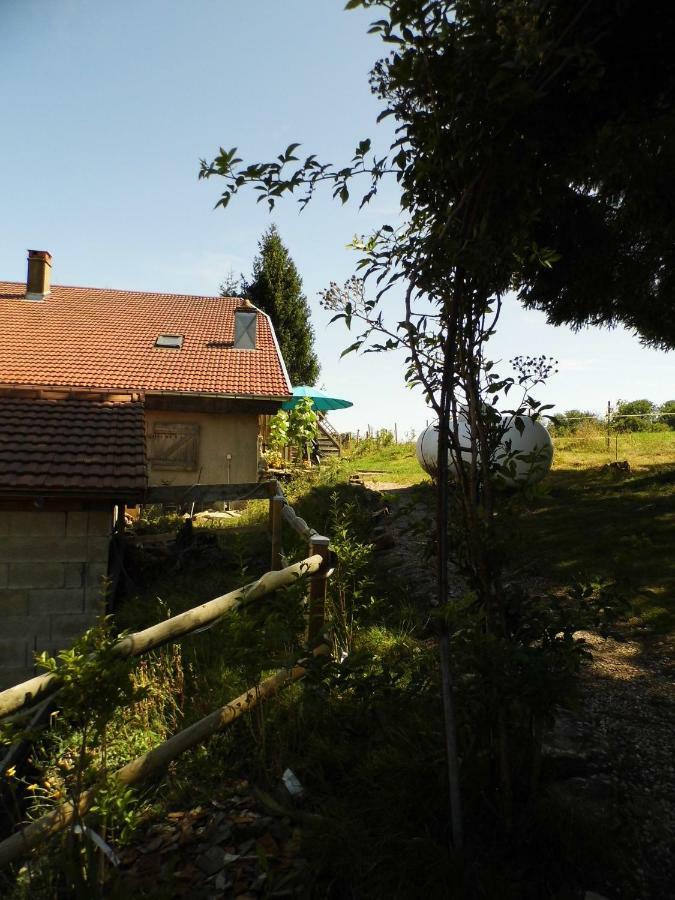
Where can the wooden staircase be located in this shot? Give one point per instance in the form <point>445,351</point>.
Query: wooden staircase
<point>329,439</point>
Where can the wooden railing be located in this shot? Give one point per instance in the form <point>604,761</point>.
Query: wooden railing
<point>152,762</point>
<point>332,433</point>
<point>319,545</point>
<point>315,567</point>
<point>38,688</point>
<point>184,494</point>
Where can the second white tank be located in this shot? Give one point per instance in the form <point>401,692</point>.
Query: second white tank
<point>526,458</point>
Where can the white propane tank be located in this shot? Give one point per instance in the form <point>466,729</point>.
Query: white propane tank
<point>534,442</point>
<point>427,447</point>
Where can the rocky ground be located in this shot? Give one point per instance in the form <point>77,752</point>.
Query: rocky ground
<point>240,845</point>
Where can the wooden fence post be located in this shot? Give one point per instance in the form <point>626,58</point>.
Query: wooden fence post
<point>276,507</point>
<point>318,544</point>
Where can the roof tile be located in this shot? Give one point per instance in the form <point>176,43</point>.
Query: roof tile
<point>105,340</point>
<point>72,446</point>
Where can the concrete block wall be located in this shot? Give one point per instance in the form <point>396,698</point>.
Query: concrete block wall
<point>51,566</point>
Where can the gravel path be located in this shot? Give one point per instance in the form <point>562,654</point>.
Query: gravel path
<point>627,712</point>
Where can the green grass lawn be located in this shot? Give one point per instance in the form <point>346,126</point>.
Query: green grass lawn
<point>366,741</point>
<point>396,463</point>
<point>589,523</point>
<point>574,452</point>
<point>584,523</point>
<point>640,449</point>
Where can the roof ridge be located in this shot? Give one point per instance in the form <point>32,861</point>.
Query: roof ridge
<point>112,290</point>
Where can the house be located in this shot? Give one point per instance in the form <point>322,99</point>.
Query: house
<point>106,395</point>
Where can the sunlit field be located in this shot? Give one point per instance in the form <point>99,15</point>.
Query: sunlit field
<point>587,520</point>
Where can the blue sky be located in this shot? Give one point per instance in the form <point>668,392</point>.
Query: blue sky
<point>108,108</point>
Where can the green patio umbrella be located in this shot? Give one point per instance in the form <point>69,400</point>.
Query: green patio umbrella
<point>321,401</point>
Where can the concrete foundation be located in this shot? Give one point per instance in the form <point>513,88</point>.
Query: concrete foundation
<point>51,568</point>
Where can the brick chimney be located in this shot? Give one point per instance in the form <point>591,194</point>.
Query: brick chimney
<point>39,278</point>
<point>245,326</point>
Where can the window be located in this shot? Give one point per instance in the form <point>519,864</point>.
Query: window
<point>174,446</point>
<point>170,341</point>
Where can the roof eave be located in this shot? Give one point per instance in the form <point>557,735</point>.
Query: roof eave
<point>274,398</point>
<point>138,393</point>
<point>282,362</point>
<point>113,495</point>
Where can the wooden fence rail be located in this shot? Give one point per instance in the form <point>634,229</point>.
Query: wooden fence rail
<point>316,567</point>
<point>184,495</point>
<point>36,689</point>
<point>152,762</point>
<point>319,545</point>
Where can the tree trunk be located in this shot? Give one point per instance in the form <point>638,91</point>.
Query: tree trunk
<point>442,496</point>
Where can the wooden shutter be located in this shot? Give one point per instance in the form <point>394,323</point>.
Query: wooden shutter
<point>174,446</point>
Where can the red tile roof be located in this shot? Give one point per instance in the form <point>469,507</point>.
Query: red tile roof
<point>105,340</point>
<point>72,447</point>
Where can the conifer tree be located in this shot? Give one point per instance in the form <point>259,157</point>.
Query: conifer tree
<point>276,288</point>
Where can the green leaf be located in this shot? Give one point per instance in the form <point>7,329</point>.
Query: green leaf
<point>352,347</point>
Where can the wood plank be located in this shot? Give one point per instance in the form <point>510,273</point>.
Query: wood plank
<point>192,403</point>
<point>209,493</point>
<point>318,585</point>
<point>276,509</point>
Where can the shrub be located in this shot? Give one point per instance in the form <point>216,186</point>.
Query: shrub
<point>303,424</point>
<point>667,412</point>
<point>639,415</point>
<point>279,430</point>
<point>297,428</point>
<point>574,421</point>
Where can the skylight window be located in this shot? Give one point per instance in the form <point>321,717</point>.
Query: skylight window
<point>170,341</point>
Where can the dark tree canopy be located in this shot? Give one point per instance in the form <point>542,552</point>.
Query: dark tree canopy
<point>601,152</point>
<point>276,288</point>
<point>559,134</point>
<point>535,150</point>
